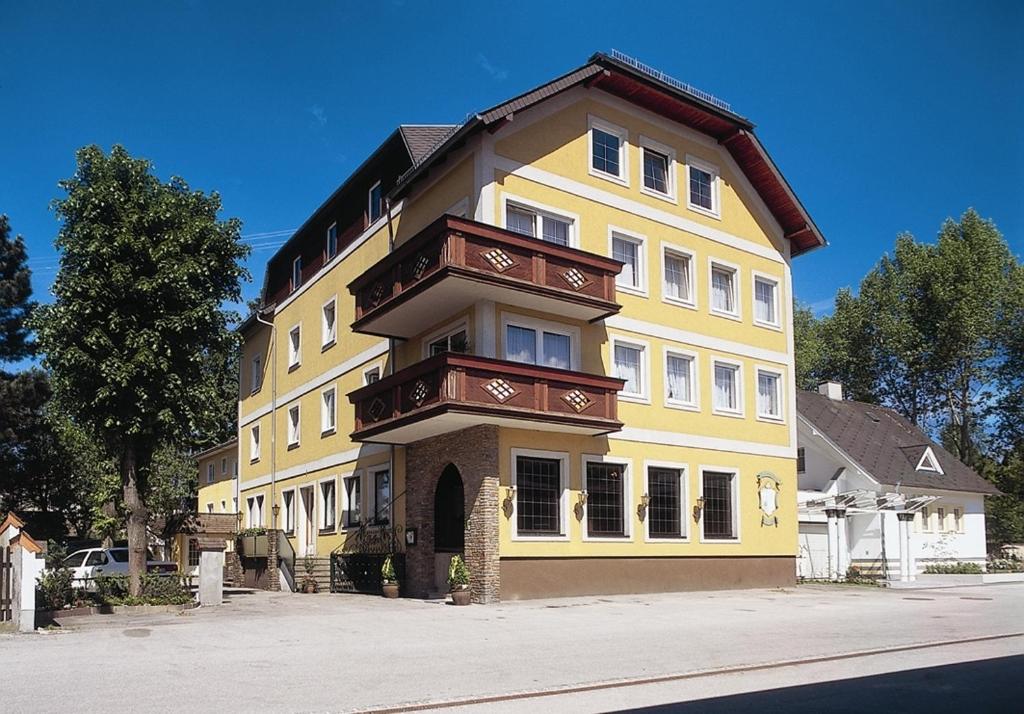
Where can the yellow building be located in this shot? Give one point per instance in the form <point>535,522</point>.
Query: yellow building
<point>556,338</point>
<point>217,497</point>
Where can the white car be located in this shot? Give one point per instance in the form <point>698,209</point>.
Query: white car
<point>93,563</point>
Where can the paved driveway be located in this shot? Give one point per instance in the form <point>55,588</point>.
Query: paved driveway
<point>285,652</point>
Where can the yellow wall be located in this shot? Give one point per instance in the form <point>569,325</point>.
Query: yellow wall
<point>221,493</point>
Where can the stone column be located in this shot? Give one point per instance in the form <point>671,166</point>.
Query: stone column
<point>273,577</point>
<point>842,545</point>
<point>833,542</point>
<point>234,566</point>
<point>906,557</point>
<point>211,572</point>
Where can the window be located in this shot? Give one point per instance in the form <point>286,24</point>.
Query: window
<point>677,285</point>
<point>455,341</point>
<point>209,473</point>
<point>375,202</point>
<point>353,501</point>
<point>328,411</point>
<point>724,300</point>
<point>549,227</point>
<point>538,494</point>
<point>766,301</point>
<point>717,516</point>
<point>224,465</point>
<point>371,375</point>
<point>329,323</point>
<point>234,468</point>
<point>769,394</point>
<point>256,377</point>
<point>537,346</point>
<point>294,347</point>
<point>193,552</point>
<point>327,505</point>
<point>926,520</point>
<point>702,195</point>
<point>293,425</point>
<point>727,388</point>
<point>254,511</point>
<point>666,516</point>
<point>382,496</point>
<point>628,360</point>
<point>608,151</point>
<point>958,520</point>
<point>656,175</point>
<point>98,557</point>
<point>75,560</point>
<point>296,273</point>
<point>254,443</point>
<point>629,250</point>
<point>928,462</point>
<point>680,379</point>
<point>801,460</point>
<point>288,508</point>
<point>209,507</point>
<point>940,516</point>
<point>223,506</point>
<point>605,485</point>
<point>331,249</point>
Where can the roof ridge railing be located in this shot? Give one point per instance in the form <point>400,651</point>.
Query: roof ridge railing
<point>670,80</point>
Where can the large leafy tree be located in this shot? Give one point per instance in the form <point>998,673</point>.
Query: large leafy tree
<point>15,296</point>
<point>144,269</point>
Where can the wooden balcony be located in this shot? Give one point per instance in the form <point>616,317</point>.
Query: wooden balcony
<point>454,391</point>
<point>454,262</point>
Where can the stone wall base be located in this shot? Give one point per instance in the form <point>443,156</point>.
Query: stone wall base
<point>525,578</point>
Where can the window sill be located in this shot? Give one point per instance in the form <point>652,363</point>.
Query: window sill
<point>717,215</point>
<point>669,541</point>
<point>678,302</point>
<point>328,345</point>
<point>724,541</point>
<point>254,460</point>
<point>727,315</point>
<point>541,539</point>
<point>328,432</point>
<point>327,531</point>
<point>293,445</point>
<point>771,419</point>
<point>768,325</point>
<point>293,367</point>
<point>608,539</point>
<point>722,412</point>
<point>653,193</point>
<point>598,173</point>
<point>634,398</point>
<point>632,290</point>
<point>682,406</point>
<point>291,533</point>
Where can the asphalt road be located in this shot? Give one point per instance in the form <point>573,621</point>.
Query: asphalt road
<point>284,652</point>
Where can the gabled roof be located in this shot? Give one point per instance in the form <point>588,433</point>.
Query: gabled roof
<point>422,139</point>
<point>887,446</point>
<point>652,90</point>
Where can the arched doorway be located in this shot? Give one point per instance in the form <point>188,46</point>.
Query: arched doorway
<point>449,512</point>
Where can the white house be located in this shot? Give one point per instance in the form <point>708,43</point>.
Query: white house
<point>876,493</point>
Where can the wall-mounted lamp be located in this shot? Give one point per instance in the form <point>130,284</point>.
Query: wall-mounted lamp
<point>276,510</point>
<point>641,509</point>
<point>580,503</point>
<point>508,504</point>
<point>698,508</point>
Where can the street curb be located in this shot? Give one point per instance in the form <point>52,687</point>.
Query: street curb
<point>696,674</point>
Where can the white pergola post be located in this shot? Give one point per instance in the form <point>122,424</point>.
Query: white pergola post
<point>907,565</point>
<point>842,547</point>
<point>832,514</point>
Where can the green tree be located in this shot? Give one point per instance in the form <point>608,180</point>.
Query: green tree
<point>15,291</point>
<point>144,269</point>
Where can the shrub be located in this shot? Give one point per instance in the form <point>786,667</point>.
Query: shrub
<point>1005,565</point>
<point>387,571</point>
<point>258,531</point>
<point>55,589</point>
<point>458,573</point>
<point>156,590</point>
<point>953,569</point>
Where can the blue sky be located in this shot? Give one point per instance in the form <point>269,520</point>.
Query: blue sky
<point>884,116</point>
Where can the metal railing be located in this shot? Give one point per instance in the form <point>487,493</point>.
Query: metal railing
<point>670,80</point>
<point>286,558</point>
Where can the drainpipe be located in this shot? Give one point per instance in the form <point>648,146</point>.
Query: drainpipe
<point>391,362</point>
<point>273,420</point>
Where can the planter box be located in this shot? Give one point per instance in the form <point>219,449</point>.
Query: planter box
<point>254,546</point>
<point>45,617</point>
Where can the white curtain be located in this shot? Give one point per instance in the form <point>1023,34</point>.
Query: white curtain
<point>556,350</point>
<point>521,344</point>
<point>679,379</point>
<point>721,290</point>
<point>725,387</point>
<point>677,277</point>
<point>626,252</point>
<point>520,221</point>
<point>764,301</point>
<point>555,231</point>
<point>767,394</point>
<point>627,367</point>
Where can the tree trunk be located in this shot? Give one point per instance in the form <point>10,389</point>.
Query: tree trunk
<point>137,516</point>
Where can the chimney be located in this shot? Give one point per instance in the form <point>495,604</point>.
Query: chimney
<point>832,390</point>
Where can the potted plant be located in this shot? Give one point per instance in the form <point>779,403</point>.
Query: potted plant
<point>309,583</point>
<point>388,578</point>
<point>254,542</point>
<point>458,581</point>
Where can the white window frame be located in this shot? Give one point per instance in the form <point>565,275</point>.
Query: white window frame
<point>640,241</point>
<point>370,218</point>
<point>378,367</point>
<point>295,351</point>
<point>594,122</point>
<point>321,502</point>
<point>929,463</point>
<point>741,397</point>
<point>254,443</point>
<point>958,518</point>
<point>735,491</point>
<point>940,519</point>
<point>328,334</point>
<point>327,242</point>
<point>679,252</point>
<point>780,386</point>
<point>286,510</point>
<point>716,198</point>
<point>926,519</point>
<point>328,419</point>
<point>694,404</point>
<point>224,465</point>
<point>296,283</point>
<point>648,144</point>
<point>294,428</point>
<point>256,373</point>
<point>460,325</point>
<point>371,497</point>
<point>684,495</point>
<point>564,505</point>
<point>211,471</point>
<point>539,210</point>
<point>627,497</point>
<point>254,514</point>
<point>644,395</point>
<point>737,290</point>
<point>540,327</point>
<point>347,505</point>
<point>765,278</point>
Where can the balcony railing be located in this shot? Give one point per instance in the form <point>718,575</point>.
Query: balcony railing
<point>454,391</point>
<point>454,262</point>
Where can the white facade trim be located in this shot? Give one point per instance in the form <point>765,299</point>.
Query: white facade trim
<point>326,462</point>
<point>697,441</point>
<point>672,334</point>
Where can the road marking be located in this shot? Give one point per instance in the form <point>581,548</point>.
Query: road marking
<point>618,684</point>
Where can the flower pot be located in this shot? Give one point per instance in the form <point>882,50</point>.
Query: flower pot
<point>460,597</point>
<point>260,546</point>
<point>390,590</point>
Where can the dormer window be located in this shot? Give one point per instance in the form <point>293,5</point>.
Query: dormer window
<point>375,200</point>
<point>928,462</point>
<point>332,241</point>
<point>296,273</point>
